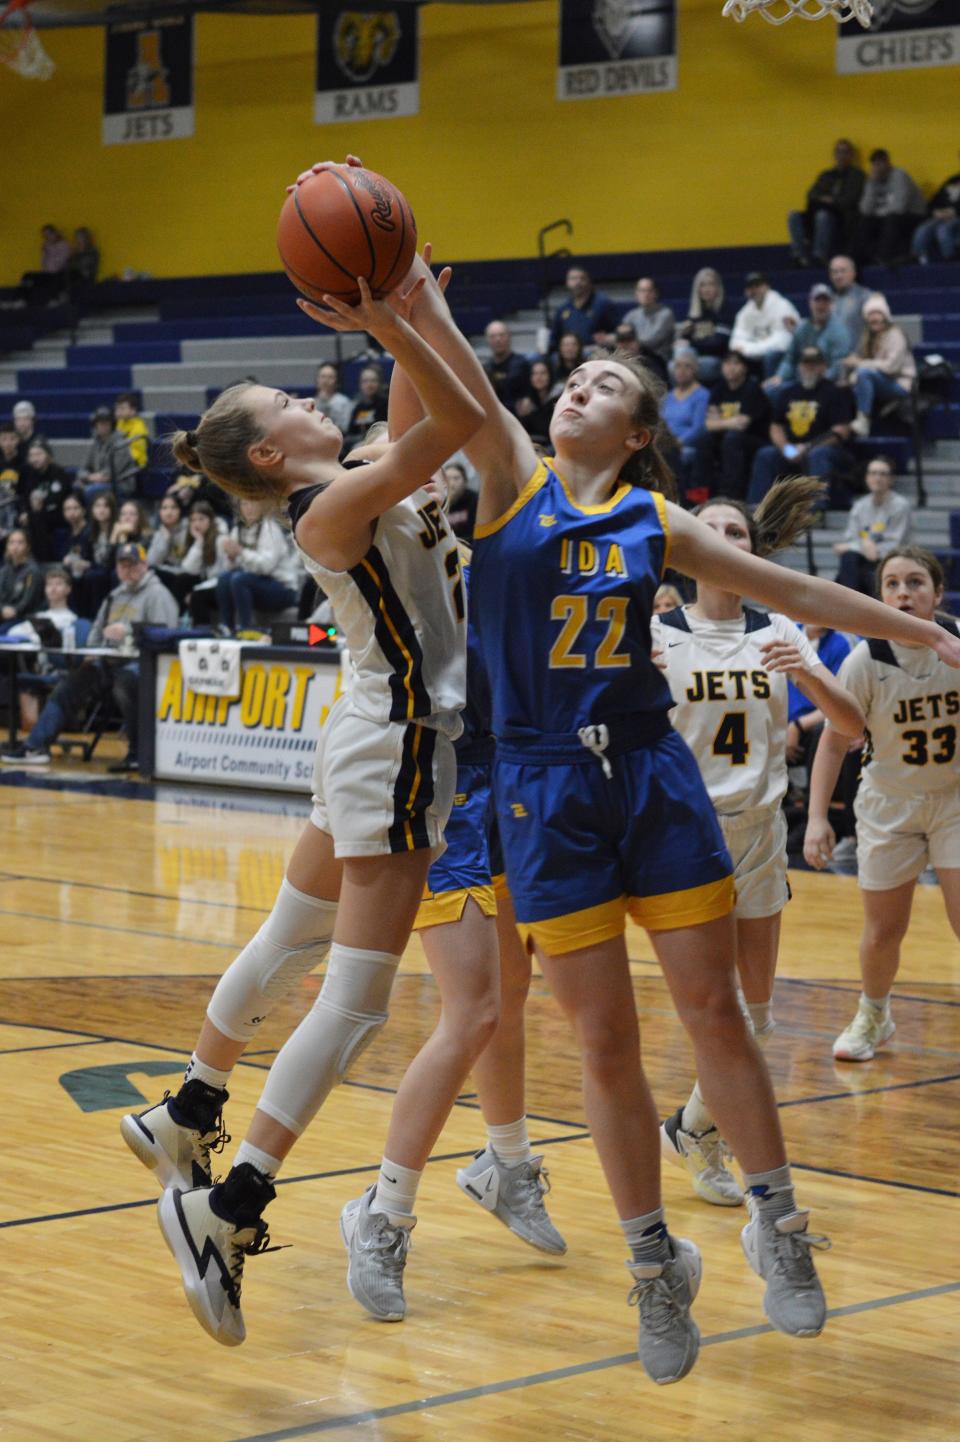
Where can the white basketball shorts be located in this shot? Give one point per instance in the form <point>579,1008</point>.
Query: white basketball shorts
<point>897,836</point>
<point>757,842</point>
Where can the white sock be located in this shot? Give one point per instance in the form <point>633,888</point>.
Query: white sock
<point>882,1003</point>
<point>262,1161</point>
<point>511,1142</point>
<point>696,1118</point>
<point>761,1019</point>
<point>396,1190</point>
<point>647,1237</point>
<point>198,1070</point>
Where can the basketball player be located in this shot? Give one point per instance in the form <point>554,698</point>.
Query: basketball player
<point>727,666</point>
<point>908,803</point>
<point>383,784</point>
<point>602,809</point>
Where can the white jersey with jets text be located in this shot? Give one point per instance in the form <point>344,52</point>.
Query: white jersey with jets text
<point>402,613</point>
<point>911,700</point>
<point>729,709</point>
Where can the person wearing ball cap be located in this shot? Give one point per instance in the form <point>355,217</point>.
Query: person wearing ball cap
<point>601,807</point>
<point>141,598</point>
<point>380,549</point>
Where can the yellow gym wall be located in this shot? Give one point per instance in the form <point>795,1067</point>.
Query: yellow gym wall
<point>492,155</point>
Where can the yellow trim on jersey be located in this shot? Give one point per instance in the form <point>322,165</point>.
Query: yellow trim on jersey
<point>500,888</point>
<point>578,929</point>
<point>661,505</point>
<point>536,482</point>
<point>440,908</point>
<point>603,507</point>
<point>692,907</point>
<point>382,608</point>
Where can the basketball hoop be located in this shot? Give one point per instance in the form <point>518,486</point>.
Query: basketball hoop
<point>20,46</point>
<point>778,12</point>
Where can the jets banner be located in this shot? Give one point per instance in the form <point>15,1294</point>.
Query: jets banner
<point>903,35</point>
<point>368,63</point>
<point>148,80</point>
<point>616,47</point>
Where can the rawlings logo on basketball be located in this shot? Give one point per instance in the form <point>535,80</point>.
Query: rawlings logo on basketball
<point>382,212</point>
<point>365,41</point>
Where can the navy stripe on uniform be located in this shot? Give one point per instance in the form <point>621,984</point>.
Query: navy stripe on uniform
<point>413,790</point>
<point>396,638</point>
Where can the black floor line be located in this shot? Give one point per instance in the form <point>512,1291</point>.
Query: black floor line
<point>558,1374</point>
<point>120,930</point>
<point>131,891</point>
<point>930,1081</point>
<point>854,990</point>
<point>875,1181</point>
<point>52,1045</point>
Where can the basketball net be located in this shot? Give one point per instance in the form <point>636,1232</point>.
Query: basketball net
<point>778,12</point>
<point>20,46</point>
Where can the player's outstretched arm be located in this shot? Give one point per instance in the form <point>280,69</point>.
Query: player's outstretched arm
<point>696,551</point>
<point>819,685</point>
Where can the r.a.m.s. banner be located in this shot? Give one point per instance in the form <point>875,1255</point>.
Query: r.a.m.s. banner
<point>616,47</point>
<point>368,62</point>
<point>903,35</point>
<point>148,80</point>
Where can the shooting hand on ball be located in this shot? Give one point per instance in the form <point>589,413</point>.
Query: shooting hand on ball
<point>369,314</point>
<point>352,160</point>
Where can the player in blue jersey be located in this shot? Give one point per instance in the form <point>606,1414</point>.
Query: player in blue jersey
<point>602,809</point>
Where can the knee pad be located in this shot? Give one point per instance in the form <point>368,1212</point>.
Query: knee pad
<point>292,942</point>
<point>348,1013</point>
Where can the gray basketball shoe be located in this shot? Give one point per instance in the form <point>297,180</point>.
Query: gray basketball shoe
<point>778,1250</point>
<point>669,1339</point>
<point>515,1196</point>
<point>377,1248</point>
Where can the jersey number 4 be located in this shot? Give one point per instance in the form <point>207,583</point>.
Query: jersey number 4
<point>574,612</point>
<point>919,743</point>
<point>731,738</point>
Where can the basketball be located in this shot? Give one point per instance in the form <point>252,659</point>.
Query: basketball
<point>343,223</point>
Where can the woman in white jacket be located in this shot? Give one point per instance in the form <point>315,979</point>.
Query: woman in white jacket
<point>260,568</point>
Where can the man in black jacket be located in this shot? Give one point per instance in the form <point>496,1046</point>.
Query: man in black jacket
<point>829,222</point>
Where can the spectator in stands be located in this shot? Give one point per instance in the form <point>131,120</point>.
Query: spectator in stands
<point>203,561</point>
<point>84,262</point>
<point>625,340</point>
<point>73,542</point>
<point>108,462</point>
<point>329,400</point>
<point>891,208</point>
<point>938,238</point>
<point>168,548</point>
<point>461,502</point>
<point>821,330</point>
<point>653,321</point>
<point>188,487</point>
<point>535,409</point>
<point>370,402</point>
<point>93,579</point>
<point>57,586</point>
<point>21,580</point>
<point>830,217</point>
<point>811,423</point>
<point>882,369</point>
<point>47,284</point>
<point>25,425</point>
<point>878,523</point>
<point>130,423</point>
<point>667,598</point>
<point>848,297</point>
<point>737,425</point>
<point>10,471</point>
<point>684,411</point>
<point>764,325</point>
<point>47,486</point>
<point>132,525</point>
<point>588,313</point>
<point>709,322</point>
<point>570,355</point>
<point>261,568</point>
<point>57,613</point>
<point>509,372</point>
<point>140,598</point>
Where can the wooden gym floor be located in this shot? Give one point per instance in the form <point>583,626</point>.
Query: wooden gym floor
<point>118,914</point>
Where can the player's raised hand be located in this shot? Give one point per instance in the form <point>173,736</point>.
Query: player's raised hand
<point>783,656</point>
<point>353,160</point>
<point>369,314</point>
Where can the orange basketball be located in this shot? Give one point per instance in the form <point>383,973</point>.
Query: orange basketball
<point>342,223</point>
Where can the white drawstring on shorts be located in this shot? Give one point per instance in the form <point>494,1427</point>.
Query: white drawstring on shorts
<point>597,739</point>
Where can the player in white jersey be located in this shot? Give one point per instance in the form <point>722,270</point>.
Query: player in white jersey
<point>383,783</point>
<point>908,803</point>
<point>728,666</point>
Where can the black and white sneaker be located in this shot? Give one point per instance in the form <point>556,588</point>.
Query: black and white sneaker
<point>20,754</point>
<point>210,1252</point>
<point>179,1154</point>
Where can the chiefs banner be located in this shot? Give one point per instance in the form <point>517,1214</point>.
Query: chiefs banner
<point>367,63</point>
<point>148,80</point>
<point>903,35</point>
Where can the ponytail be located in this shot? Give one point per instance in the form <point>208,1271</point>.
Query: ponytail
<point>787,510</point>
<point>220,445</point>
